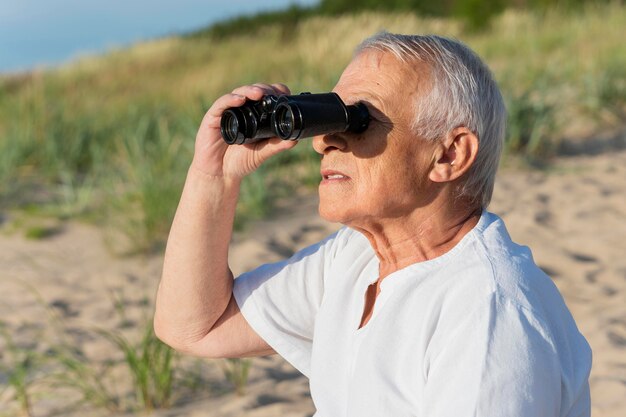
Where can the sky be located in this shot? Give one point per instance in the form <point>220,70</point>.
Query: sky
<point>36,33</point>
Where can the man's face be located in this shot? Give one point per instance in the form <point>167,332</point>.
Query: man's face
<point>381,173</point>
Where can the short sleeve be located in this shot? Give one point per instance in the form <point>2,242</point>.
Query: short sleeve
<point>499,361</point>
<point>280,301</point>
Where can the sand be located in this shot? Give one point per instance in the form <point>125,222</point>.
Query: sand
<point>572,216</point>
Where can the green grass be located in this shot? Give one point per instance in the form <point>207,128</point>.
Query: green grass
<point>531,124</point>
<point>475,14</point>
<point>150,364</point>
<point>41,232</point>
<point>145,361</point>
<point>109,138</point>
<point>142,361</point>
<point>77,373</point>
<point>18,366</point>
<point>236,371</point>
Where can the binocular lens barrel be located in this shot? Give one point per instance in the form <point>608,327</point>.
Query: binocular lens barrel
<point>248,123</point>
<point>232,129</point>
<point>283,121</point>
<point>292,118</point>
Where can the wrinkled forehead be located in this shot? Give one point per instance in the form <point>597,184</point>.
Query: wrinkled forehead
<point>383,76</point>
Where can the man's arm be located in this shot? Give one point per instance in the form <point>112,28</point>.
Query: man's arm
<point>195,309</point>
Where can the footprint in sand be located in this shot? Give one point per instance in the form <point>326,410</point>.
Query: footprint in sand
<point>592,276</point>
<point>583,258</point>
<point>543,216</point>
<point>279,375</point>
<point>279,248</point>
<point>616,339</point>
<point>609,291</point>
<point>267,399</point>
<point>302,234</point>
<point>551,272</point>
<point>64,308</point>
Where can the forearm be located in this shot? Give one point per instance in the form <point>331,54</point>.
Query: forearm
<point>196,284</point>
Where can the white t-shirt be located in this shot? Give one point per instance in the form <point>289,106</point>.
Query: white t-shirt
<point>478,331</point>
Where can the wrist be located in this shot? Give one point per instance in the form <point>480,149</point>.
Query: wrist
<point>214,189</point>
<point>198,172</point>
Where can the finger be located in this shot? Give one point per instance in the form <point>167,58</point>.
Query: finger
<point>238,98</point>
<point>253,92</point>
<point>277,88</point>
<point>271,147</point>
<point>224,102</point>
<point>266,87</point>
<point>258,90</point>
<point>213,116</point>
<point>235,99</point>
<point>282,88</point>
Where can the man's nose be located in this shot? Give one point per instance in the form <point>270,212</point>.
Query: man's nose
<point>326,143</point>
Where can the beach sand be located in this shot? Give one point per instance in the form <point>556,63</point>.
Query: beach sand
<point>64,287</point>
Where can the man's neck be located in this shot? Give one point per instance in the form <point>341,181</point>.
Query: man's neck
<point>424,234</point>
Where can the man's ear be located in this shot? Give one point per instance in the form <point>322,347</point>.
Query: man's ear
<point>455,156</point>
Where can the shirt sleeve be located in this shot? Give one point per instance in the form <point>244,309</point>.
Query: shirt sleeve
<point>280,300</point>
<point>498,361</point>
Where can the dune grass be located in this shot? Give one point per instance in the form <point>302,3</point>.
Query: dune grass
<point>151,365</point>
<point>148,363</point>
<point>19,365</point>
<point>236,372</point>
<point>52,363</point>
<point>109,138</point>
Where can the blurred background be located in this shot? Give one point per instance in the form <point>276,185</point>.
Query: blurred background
<point>99,106</point>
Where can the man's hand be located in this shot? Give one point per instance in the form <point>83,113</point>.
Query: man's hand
<point>214,157</point>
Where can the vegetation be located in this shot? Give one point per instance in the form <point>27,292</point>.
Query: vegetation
<point>84,377</point>
<point>236,371</point>
<point>476,14</point>
<point>151,366</point>
<point>53,362</point>
<point>109,138</point>
<point>19,364</point>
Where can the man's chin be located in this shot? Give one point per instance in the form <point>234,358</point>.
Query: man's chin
<point>329,213</point>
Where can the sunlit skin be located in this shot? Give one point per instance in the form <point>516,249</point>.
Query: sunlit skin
<point>389,184</point>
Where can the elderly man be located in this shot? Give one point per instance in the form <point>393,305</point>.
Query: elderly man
<point>422,305</point>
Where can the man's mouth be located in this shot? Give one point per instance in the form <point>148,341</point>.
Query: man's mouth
<point>331,175</point>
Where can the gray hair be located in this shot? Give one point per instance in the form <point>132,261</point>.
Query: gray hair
<point>463,93</point>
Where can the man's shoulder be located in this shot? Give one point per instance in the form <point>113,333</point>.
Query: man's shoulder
<point>488,261</point>
<point>490,270</point>
<point>519,283</point>
<point>511,267</point>
<point>507,267</point>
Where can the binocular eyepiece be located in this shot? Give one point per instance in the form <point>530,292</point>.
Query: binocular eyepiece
<point>292,118</point>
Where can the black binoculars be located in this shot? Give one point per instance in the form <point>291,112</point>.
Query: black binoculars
<point>292,118</point>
